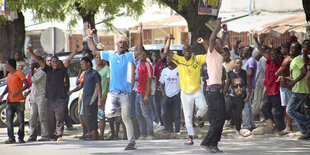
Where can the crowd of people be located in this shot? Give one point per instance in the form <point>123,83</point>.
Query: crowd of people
<point>240,85</point>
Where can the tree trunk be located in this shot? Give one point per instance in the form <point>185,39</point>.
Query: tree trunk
<point>195,22</point>
<point>12,37</point>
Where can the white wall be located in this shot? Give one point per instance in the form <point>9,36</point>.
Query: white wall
<point>265,5</point>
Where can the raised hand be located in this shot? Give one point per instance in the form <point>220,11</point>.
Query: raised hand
<point>255,36</point>
<point>218,22</point>
<point>89,31</point>
<point>200,40</point>
<point>270,43</point>
<point>170,36</point>
<point>140,27</point>
<point>76,47</point>
<point>225,27</point>
<point>238,42</point>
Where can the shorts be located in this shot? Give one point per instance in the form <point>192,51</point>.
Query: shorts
<point>91,116</point>
<point>117,119</point>
<point>285,96</point>
<point>101,113</point>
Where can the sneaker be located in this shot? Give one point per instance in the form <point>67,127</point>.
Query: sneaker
<point>21,141</point>
<point>60,139</point>
<point>160,128</point>
<point>155,124</point>
<point>131,146</point>
<point>10,141</point>
<point>189,142</point>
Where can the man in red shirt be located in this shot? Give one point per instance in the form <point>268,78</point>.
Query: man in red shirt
<point>143,113</point>
<point>17,83</point>
<point>272,98</point>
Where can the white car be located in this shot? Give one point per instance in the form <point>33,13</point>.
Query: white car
<point>73,99</point>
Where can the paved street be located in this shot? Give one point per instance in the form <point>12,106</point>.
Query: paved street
<point>230,144</point>
<point>172,146</point>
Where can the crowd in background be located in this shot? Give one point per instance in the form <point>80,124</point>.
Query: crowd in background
<point>148,94</point>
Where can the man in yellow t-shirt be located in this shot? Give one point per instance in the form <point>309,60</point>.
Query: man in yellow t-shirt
<point>191,93</point>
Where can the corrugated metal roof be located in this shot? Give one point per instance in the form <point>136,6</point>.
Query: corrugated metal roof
<point>295,23</point>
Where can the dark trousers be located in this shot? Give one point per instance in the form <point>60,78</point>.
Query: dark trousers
<point>272,109</point>
<point>55,117</point>
<point>11,109</point>
<point>158,100</point>
<point>216,115</point>
<point>237,105</point>
<point>171,107</point>
<point>68,120</point>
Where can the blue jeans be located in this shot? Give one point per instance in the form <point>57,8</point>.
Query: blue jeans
<point>155,115</point>
<point>301,120</point>
<point>143,114</point>
<point>11,109</point>
<point>172,106</point>
<point>247,113</point>
<point>122,99</point>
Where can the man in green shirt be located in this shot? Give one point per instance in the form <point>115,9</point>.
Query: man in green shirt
<point>299,88</point>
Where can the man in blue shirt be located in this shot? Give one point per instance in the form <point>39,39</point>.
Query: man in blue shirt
<point>120,81</point>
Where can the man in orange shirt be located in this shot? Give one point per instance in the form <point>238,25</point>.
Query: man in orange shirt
<point>16,84</point>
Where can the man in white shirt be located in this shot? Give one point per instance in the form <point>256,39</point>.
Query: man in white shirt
<point>170,87</point>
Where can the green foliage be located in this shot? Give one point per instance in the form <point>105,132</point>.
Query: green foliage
<point>59,10</point>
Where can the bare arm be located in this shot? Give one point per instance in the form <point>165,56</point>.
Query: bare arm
<point>140,43</point>
<point>259,46</point>
<point>250,74</point>
<point>204,44</point>
<point>227,84</point>
<point>90,32</point>
<point>133,75</point>
<point>36,58</point>
<point>67,62</point>
<point>166,49</point>
<point>77,88</point>
<point>25,86</point>
<point>308,81</point>
<point>213,35</point>
<point>276,56</point>
<point>147,92</point>
<point>98,85</point>
<point>281,69</point>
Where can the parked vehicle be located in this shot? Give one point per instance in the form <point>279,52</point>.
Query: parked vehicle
<point>73,99</point>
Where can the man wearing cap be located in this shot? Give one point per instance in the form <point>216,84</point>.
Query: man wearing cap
<point>120,81</point>
<point>38,102</point>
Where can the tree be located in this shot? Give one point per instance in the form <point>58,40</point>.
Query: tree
<point>196,23</point>
<point>12,33</point>
<point>86,9</point>
<point>306,5</point>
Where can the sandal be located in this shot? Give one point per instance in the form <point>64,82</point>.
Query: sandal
<point>189,142</point>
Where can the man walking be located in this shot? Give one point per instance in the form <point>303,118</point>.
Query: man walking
<point>17,83</point>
